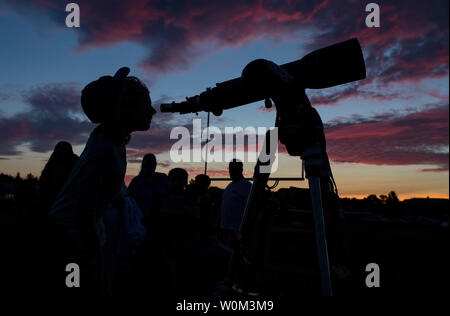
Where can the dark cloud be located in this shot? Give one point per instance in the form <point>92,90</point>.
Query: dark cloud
<point>385,139</point>
<point>412,42</point>
<point>412,138</point>
<point>410,45</point>
<point>54,99</point>
<point>354,90</point>
<point>54,115</point>
<point>419,138</point>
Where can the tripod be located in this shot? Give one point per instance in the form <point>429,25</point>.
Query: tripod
<point>301,131</point>
<point>315,168</point>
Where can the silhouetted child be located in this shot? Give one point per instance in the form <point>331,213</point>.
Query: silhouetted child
<point>121,105</point>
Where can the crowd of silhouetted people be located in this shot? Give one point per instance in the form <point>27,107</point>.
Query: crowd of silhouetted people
<point>161,235</point>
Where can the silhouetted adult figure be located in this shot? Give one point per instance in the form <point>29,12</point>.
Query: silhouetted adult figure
<point>55,173</point>
<point>201,184</point>
<point>198,192</point>
<point>233,202</point>
<point>121,105</point>
<point>149,187</point>
<point>178,201</point>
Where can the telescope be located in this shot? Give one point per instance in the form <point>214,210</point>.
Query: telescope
<point>326,67</point>
<point>300,128</point>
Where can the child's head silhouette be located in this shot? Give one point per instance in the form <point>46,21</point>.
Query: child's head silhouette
<point>120,100</point>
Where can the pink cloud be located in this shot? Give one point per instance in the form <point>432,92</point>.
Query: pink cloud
<point>174,31</point>
<point>419,138</point>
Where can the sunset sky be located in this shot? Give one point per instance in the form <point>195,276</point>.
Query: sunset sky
<point>387,132</point>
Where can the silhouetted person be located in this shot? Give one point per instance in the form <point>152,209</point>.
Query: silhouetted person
<point>55,173</point>
<point>233,202</point>
<point>178,201</point>
<point>182,257</point>
<point>148,188</point>
<point>177,181</point>
<point>198,192</point>
<point>202,183</point>
<point>121,105</point>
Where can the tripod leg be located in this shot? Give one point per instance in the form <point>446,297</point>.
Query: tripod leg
<point>322,251</point>
<point>260,178</point>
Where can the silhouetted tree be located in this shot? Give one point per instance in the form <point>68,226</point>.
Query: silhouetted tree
<point>373,203</point>
<point>392,205</point>
<point>392,198</point>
